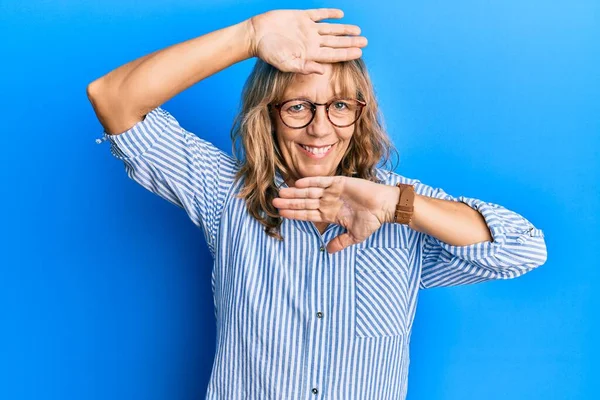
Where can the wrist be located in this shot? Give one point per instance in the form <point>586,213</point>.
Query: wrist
<point>398,204</point>
<point>389,198</point>
<point>250,37</point>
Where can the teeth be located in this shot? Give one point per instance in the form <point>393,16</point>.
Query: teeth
<point>315,150</point>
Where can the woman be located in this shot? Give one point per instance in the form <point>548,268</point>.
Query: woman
<point>318,254</point>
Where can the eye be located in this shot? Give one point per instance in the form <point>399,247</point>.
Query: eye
<point>340,105</point>
<point>295,107</point>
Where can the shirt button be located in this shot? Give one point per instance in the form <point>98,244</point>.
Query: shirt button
<point>315,391</point>
<point>319,314</point>
<point>322,248</point>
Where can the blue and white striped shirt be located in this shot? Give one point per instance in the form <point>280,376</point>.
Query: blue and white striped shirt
<point>294,322</point>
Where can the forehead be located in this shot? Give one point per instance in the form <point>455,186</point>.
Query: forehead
<point>333,82</point>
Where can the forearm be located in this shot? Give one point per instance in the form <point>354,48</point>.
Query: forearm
<point>145,83</point>
<point>452,222</point>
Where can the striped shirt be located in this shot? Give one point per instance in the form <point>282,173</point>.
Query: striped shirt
<point>294,322</point>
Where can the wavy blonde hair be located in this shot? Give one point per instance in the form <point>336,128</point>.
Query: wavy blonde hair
<point>256,148</point>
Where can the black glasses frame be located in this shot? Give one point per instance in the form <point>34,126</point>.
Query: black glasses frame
<point>278,106</point>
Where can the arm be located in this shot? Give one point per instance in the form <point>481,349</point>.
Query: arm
<point>464,240</point>
<point>123,96</point>
<point>290,40</point>
<point>467,240</point>
<point>157,152</point>
<point>172,162</point>
<point>452,222</point>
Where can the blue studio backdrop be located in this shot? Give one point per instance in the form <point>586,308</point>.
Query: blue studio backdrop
<point>105,288</point>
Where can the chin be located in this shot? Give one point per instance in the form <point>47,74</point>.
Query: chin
<point>307,172</point>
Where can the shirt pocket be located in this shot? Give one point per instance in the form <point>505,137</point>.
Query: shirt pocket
<point>381,291</point>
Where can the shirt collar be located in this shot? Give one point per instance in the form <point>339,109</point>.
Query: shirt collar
<point>279,182</point>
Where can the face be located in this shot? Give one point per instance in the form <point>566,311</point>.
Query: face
<point>317,149</point>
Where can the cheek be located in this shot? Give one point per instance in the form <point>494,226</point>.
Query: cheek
<point>345,140</point>
<point>283,136</point>
<point>287,141</point>
<point>346,137</point>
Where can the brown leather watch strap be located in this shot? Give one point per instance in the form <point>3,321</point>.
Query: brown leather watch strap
<point>405,206</point>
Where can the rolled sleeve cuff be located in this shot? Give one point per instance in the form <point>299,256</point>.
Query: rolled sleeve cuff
<point>506,227</point>
<point>140,137</point>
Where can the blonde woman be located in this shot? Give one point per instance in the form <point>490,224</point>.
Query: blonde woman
<point>319,252</point>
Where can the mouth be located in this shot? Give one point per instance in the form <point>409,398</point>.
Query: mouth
<point>316,152</point>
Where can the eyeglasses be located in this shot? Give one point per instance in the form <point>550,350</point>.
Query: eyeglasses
<point>299,113</point>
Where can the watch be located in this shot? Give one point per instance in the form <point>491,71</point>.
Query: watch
<point>405,206</point>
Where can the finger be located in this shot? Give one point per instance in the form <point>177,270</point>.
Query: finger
<point>301,193</point>
<point>315,181</point>
<point>325,28</point>
<point>340,243</point>
<point>296,204</point>
<point>343,41</point>
<point>329,55</point>
<point>318,14</point>
<point>303,215</point>
<point>311,67</point>
<point>304,67</point>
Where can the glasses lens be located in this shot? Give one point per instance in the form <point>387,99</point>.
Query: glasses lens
<point>344,111</point>
<point>296,113</point>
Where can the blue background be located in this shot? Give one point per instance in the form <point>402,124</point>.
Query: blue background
<point>105,288</point>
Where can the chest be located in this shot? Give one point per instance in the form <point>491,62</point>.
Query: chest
<point>321,226</point>
<point>372,284</point>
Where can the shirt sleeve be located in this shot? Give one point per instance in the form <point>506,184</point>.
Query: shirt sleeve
<point>178,166</point>
<point>517,247</point>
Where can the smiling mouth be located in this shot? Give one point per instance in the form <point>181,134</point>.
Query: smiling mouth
<point>317,152</point>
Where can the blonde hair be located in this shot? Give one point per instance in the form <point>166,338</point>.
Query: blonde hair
<point>256,148</point>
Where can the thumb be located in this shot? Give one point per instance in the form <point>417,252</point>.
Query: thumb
<point>340,242</point>
<point>311,67</point>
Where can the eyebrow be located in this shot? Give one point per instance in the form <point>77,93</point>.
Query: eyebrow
<point>304,96</point>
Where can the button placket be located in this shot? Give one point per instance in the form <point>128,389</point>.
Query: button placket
<point>321,277</point>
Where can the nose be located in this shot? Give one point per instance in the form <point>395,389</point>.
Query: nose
<point>320,125</point>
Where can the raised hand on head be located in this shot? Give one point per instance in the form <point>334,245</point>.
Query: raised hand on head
<point>295,40</point>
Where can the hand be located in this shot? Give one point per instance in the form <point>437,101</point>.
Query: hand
<point>293,41</point>
<point>359,205</point>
